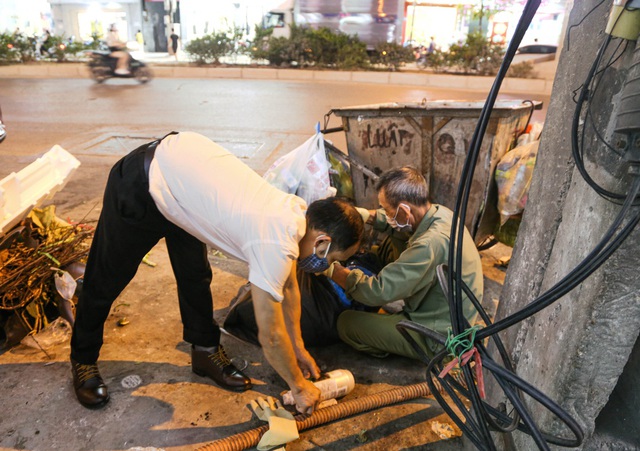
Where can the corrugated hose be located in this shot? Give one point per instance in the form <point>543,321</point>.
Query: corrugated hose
<point>250,438</point>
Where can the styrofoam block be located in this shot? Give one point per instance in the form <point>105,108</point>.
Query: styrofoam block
<point>22,191</point>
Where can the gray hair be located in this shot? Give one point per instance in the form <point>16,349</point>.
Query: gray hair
<point>404,184</point>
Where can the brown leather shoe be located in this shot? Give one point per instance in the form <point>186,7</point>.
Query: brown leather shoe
<point>219,368</point>
<point>90,389</point>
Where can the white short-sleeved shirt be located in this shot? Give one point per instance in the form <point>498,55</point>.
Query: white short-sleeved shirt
<point>207,191</point>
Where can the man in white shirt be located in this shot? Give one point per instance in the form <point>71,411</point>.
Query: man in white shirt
<point>192,192</point>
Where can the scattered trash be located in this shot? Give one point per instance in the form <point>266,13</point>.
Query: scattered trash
<point>148,262</point>
<point>362,436</point>
<point>443,430</point>
<point>65,283</point>
<point>122,304</point>
<point>28,286</point>
<point>58,331</point>
<point>217,253</point>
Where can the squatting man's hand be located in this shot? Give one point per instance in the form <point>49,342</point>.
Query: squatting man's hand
<point>306,397</point>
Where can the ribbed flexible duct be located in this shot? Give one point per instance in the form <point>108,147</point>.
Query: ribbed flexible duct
<point>250,438</point>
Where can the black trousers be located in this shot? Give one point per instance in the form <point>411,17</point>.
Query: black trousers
<point>129,226</point>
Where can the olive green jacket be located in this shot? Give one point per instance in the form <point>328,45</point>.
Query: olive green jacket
<point>412,276</point>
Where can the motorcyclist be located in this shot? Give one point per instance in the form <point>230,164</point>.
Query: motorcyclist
<point>118,50</point>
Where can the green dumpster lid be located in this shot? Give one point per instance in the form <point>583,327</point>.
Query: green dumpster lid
<point>428,107</point>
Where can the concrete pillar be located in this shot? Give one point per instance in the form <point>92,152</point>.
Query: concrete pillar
<point>576,349</point>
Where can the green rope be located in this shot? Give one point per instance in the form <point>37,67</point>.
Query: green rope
<point>461,342</point>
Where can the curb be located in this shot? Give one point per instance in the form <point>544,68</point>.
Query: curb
<point>474,83</point>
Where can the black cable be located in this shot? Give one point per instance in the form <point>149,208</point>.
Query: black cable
<point>575,125</point>
<point>579,23</point>
<point>586,95</point>
<point>585,268</point>
<point>462,198</point>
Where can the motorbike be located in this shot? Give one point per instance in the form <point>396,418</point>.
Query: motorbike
<point>3,130</point>
<point>103,66</point>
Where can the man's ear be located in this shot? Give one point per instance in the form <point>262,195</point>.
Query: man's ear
<point>322,242</point>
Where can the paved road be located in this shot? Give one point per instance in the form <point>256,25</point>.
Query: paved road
<point>263,114</point>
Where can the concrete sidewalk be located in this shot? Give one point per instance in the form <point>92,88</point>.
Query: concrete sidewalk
<point>165,66</point>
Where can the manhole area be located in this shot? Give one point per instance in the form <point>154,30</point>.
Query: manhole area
<point>122,145</point>
<point>115,145</point>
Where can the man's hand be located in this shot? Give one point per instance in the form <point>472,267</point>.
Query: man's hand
<point>306,397</point>
<point>307,364</point>
<point>368,216</point>
<point>329,271</point>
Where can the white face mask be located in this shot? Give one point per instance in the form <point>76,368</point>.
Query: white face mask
<point>400,227</point>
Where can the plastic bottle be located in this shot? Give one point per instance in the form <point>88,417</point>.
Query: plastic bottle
<point>334,384</point>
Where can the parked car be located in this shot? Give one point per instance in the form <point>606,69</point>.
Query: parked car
<point>3,130</point>
<point>538,48</point>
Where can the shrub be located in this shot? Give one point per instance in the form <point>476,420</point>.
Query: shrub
<point>309,47</point>
<point>353,55</point>
<point>476,55</point>
<point>57,47</point>
<point>7,51</point>
<point>258,49</point>
<point>96,42</point>
<point>210,48</point>
<point>521,70</point>
<point>392,55</point>
<point>437,60</point>
<point>17,47</point>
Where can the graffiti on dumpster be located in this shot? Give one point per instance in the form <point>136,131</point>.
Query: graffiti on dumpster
<point>366,178</point>
<point>387,137</point>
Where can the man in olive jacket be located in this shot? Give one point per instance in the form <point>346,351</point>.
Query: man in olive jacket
<point>419,237</point>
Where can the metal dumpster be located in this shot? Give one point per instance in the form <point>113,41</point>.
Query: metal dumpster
<point>434,137</point>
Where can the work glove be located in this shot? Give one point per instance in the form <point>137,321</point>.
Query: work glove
<point>282,425</point>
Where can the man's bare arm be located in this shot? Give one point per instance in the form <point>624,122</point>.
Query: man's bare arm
<point>292,310</point>
<point>276,343</point>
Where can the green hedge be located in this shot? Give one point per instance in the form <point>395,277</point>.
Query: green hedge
<point>326,48</point>
<point>210,48</point>
<point>16,48</point>
<point>477,55</point>
<point>310,48</point>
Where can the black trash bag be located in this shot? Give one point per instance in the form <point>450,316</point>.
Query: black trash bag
<point>320,310</point>
<point>321,299</point>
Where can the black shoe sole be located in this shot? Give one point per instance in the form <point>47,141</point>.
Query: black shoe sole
<point>226,387</point>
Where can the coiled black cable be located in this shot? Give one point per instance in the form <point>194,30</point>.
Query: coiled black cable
<point>478,421</point>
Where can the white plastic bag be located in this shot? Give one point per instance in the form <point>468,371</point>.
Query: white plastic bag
<point>304,171</point>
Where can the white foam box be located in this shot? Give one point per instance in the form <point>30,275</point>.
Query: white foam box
<point>22,191</point>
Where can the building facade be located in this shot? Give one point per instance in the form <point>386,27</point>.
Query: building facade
<point>446,21</point>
